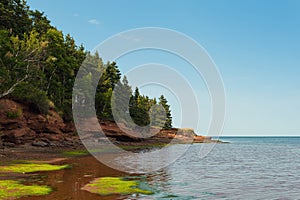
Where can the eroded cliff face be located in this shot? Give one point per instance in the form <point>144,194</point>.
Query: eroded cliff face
<point>20,125</point>
<point>185,134</point>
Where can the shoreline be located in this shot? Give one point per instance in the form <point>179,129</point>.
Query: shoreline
<point>51,131</point>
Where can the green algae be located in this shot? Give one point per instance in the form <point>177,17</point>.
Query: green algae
<point>76,153</point>
<point>30,167</point>
<point>86,152</point>
<point>10,189</point>
<point>112,150</point>
<point>115,185</point>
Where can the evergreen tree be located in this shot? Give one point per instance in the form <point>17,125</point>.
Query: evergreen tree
<point>38,64</point>
<point>121,99</point>
<point>14,16</point>
<point>163,101</point>
<point>20,60</point>
<point>109,78</point>
<point>40,23</point>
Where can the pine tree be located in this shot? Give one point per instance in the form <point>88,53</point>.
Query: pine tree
<point>163,101</point>
<point>14,16</point>
<point>39,64</point>
<point>121,100</point>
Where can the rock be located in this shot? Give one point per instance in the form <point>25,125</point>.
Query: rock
<point>37,123</point>
<point>52,144</point>
<point>52,129</point>
<point>45,140</point>
<point>55,119</point>
<point>17,136</point>
<point>40,144</point>
<point>125,138</point>
<point>7,122</point>
<point>69,139</point>
<point>21,132</point>
<point>67,143</point>
<point>30,127</point>
<point>68,128</point>
<point>11,122</point>
<point>1,145</point>
<point>199,139</point>
<point>9,144</point>
<point>186,132</point>
<point>7,138</point>
<point>52,137</point>
<point>202,139</point>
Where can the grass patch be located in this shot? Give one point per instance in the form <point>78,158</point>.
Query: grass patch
<point>76,153</point>
<point>114,185</point>
<point>85,152</point>
<point>14,114</point>
<point>30,167</point>
<point>10,189</point>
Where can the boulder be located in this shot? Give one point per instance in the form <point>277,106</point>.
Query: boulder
<point>52,137</point>
<point>37,123</point>
<point>68,128</point>
<point>17,136</point>
<point>52,129</point>
<point>9,145</point>
<point>40,144</point>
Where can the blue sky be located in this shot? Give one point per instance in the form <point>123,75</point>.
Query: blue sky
<point>255,44</point>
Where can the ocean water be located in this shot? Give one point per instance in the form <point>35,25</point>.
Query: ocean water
<point>246,168</point>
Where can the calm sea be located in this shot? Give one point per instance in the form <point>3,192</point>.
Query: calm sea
<point>246,168</point>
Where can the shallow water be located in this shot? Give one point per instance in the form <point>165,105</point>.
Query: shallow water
<point>246,168</point>
<point>67,183</point>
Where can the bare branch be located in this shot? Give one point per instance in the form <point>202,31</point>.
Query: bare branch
<point>49,82</point>
<point>12,88</point>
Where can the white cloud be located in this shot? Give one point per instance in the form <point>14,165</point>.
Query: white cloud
<point>94,21</point>
<point>75,15</point>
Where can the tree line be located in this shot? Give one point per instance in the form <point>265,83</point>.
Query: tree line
<point>38,66</point>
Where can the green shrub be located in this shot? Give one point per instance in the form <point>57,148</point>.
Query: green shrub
<point>14,114</point>
<point>37,98</point>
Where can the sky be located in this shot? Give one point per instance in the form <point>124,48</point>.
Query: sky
<point>255,45</point>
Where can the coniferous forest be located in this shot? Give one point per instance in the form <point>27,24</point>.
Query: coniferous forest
<point>38,66</point>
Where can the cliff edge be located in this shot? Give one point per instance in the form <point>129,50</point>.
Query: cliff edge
<point>19,125</point>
